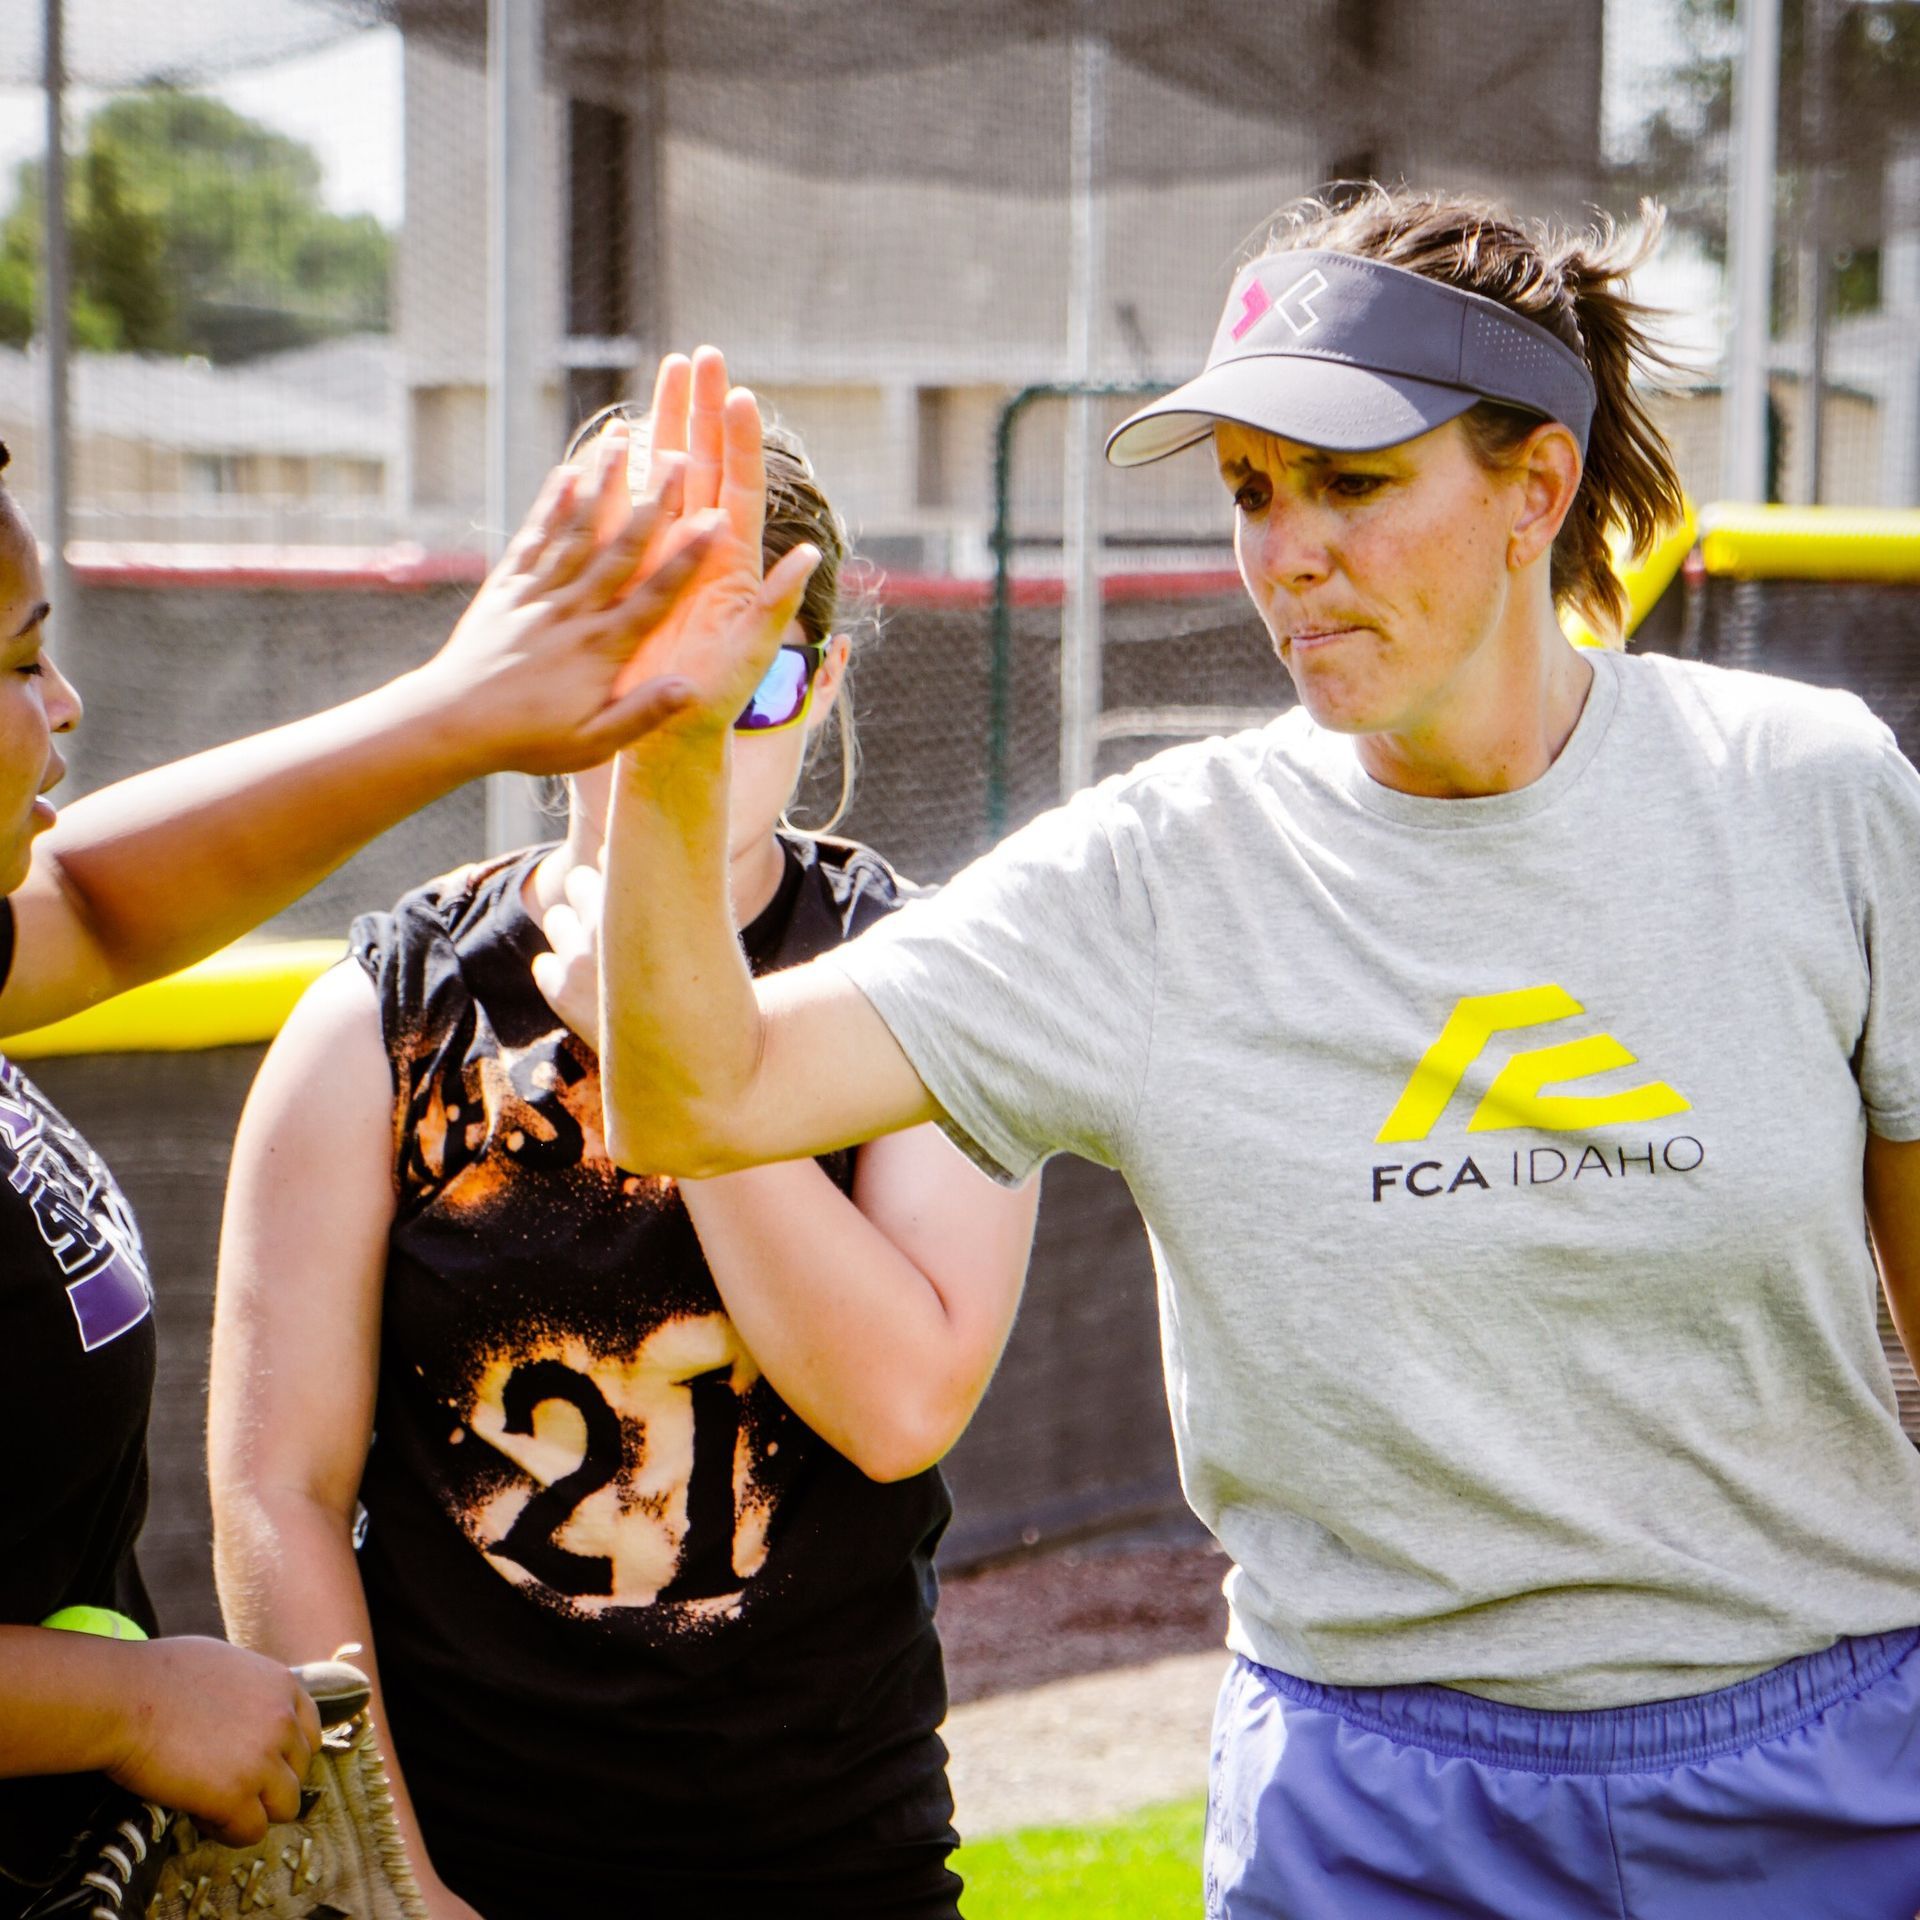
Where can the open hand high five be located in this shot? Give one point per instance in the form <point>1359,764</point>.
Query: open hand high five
<point>539,674</point>
<point>709,649</point>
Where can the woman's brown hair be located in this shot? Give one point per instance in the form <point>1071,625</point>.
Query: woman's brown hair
<point>1573,284</point>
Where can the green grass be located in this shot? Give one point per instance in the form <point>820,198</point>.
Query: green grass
<point>1146,1867</point>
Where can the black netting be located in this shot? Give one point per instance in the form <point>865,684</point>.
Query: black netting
<point>1852,634</point>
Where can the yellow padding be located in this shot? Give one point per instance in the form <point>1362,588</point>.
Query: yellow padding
<point>1645,576</point>
<point>1811,543</point>
<point>239,996</point>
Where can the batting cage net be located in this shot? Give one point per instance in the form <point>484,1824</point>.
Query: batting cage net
<point>949,242</point>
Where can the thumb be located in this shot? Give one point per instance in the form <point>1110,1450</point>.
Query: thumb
<point>640,710</point>
<point>756,633</point>
<point>786,583</point>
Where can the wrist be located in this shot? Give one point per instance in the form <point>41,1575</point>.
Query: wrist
<point>421,711</point>
<point>109,1700</point>
<point>687,761</point>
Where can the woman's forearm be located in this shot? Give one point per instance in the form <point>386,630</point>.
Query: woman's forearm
<point>680,1026</point>
<point>853,1336</point>
<point>290,1587</point>
<point>703,1070</point>
<point>170,864</point>
<point>63,1701</point>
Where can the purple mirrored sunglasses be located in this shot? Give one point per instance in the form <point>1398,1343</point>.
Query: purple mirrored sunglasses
<point>785,692</point>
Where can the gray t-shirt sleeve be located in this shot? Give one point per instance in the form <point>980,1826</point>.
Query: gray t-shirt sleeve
<point>1889,1061</point>
<point>1022,992</point>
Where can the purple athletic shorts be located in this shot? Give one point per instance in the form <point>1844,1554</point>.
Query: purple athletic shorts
<point>1792,1796</point>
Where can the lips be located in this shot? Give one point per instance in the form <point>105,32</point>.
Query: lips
<point>1305,639</point>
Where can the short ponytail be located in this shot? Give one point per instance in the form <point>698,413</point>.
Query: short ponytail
<point>1574,284</point>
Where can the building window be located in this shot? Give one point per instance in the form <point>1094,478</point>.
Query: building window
<point>211,475</point>
<point>599,245</point>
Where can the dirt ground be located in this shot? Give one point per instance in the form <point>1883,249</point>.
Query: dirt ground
<point>1081,1609</point>
<point>1083,1681</point>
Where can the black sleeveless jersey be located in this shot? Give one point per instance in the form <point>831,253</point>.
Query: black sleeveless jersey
<point>76,1333</point>
<point>645,1637</point>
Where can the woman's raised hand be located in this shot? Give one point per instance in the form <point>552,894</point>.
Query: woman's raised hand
<point>718,638</point>
<point>539,674</point>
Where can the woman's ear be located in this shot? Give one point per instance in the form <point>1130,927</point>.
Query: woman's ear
<point>1548,464</point>
<point>826,685</point>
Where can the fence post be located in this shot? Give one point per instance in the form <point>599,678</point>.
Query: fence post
<point>1000,663</point>
<point>1756,101</point>
<point>1080,520</point>
<point>516,234</point>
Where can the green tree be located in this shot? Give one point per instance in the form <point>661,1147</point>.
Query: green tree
<point>1872,80</point>
<point>196,230</point>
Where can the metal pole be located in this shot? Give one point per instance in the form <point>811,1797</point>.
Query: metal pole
<point>1816,253</point>
<point>516,442</point>
<point>1900,297</point>
<point>1080,534</point>
<point>1756,99</point>
<point>56,280</point>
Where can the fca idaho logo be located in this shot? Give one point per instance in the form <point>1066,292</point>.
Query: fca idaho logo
<point>1516,1099</point>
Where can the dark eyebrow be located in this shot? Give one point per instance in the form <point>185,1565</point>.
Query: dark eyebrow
<point>33,619</point>
<point>1312,458</point>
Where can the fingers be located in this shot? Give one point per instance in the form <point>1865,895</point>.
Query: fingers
<point>643,710</point>
<point>553,979</point>
<point>672,395</point>
<point>743,478</point>
<point>245,1828</point>
<point>550,509</point>
<point>613,564</point>
<point>611,482</point>
<point>706,442</point>
<point>307,1715</point>
<point>280,1798</point>
<point>565,935</point>
<point>585,888</point>
<point>630,604</point>
<point>601,506</point>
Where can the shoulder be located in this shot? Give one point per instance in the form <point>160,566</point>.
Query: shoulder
<point>854,881</point>
<point>444,908</point>
<point>420,954</point>
<point>1760,723</point>
<point>1200,785</point>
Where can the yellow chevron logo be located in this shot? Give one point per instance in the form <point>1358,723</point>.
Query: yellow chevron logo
<point>1518,1096</point>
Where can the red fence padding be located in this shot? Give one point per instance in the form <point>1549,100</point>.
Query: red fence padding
<point>410,569</point>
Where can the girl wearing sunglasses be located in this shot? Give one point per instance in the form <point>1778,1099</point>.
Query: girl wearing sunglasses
<point>626,1485</point>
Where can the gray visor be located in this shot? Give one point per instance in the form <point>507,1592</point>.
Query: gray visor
<point>1353,354</point>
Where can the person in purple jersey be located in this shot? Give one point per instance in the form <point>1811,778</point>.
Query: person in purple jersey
<point>130,883</point>
<point>627,1485</point>
<point>1511,1049</point>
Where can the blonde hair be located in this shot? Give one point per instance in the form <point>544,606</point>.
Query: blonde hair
<point>1573,284</point>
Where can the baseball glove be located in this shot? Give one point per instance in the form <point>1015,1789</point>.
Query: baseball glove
<point>343,1859</point>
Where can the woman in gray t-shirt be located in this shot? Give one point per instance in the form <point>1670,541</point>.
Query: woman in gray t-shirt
<point>1509,1050</point>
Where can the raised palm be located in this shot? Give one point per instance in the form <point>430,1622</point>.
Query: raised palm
<point>722,632</point>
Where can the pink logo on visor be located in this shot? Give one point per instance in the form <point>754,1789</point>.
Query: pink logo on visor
<point>1255,300</point>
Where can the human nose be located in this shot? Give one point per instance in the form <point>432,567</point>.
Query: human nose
<point>62,698</point>
<point>1289,546</point>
